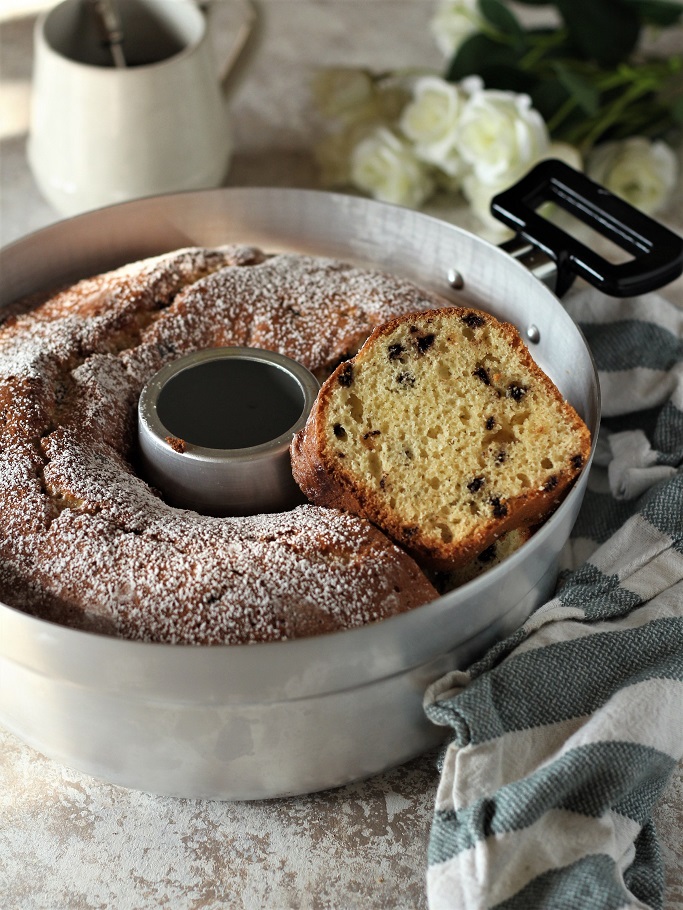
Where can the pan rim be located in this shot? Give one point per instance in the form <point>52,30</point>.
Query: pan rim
<point>468,591</point>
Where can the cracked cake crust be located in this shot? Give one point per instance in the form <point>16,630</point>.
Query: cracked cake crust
<point>85,541</point>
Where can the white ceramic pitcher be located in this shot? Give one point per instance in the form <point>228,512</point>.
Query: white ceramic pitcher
<point>101,133</point>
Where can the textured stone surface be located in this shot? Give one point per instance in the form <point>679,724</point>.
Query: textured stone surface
<point>69,841</point>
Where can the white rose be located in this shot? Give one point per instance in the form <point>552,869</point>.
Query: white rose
<point>391,97</point>
<point>500,135</point>
<point>430,121</point>
<point>567,153</point>
<point>385,166</point>
<point>453,22</point>
<point>643,173</point>
<point>471,85</point>
<point>344,93</point>
<point>479,195</point>
<point>333,154</point>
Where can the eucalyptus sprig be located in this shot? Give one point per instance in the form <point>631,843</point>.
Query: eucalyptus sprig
<point>588,77</point>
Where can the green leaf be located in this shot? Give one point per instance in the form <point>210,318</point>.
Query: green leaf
<point>658,12</point>
<point>501,17</point>
<point>586,95</point>
<point>508,78</point>
<point>541,32</point>
<point>477,52</point>
<point>677,110</point>
<point>606,31</point>
<point>549,97</point>
<point>544,45</point>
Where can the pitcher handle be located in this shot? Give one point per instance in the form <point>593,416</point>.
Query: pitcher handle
<point>244,45</point>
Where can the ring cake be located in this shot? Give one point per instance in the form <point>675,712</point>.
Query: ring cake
<point>86,542</point>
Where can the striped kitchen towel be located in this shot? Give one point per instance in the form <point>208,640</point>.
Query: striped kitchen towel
<point>565,734</point>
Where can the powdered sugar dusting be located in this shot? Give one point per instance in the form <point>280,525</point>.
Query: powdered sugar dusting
<point>84,540</point>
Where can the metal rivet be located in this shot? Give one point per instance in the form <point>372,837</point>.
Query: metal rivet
<point>533,334</point>
<point>455,279</point>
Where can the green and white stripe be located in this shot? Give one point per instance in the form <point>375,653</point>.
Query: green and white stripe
<point>565,734</point>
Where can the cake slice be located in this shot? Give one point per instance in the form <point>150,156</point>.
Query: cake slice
<point>492,556</point>
<point>445,433</point>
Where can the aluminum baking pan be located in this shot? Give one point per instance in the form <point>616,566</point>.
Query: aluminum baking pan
<point>255,721</point>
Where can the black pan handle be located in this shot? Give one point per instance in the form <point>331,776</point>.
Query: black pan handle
<point>657,252</point>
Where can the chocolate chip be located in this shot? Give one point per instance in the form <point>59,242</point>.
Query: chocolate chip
<point>473,320</point>
<point>346,375</point>
<point>395,351</point>
<point>499,508</point>
<point>406,379</point>
<point>347,355</point>
<point>165,348</point>
<point>476,484</point>
<point>424,343</point>
<point>371,433</point>
<point>440,580</point>
<point>488,555</point>
<point>516,392</point>
<point>550,484</point>
<point>490,423</point>
<point>339,431</point>
<point>501,457</point>
<point>577,462</point>
<point>410,531</point>
<point>482,373</point>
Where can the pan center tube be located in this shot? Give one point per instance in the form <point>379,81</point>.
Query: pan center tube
<point>215,427</point>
